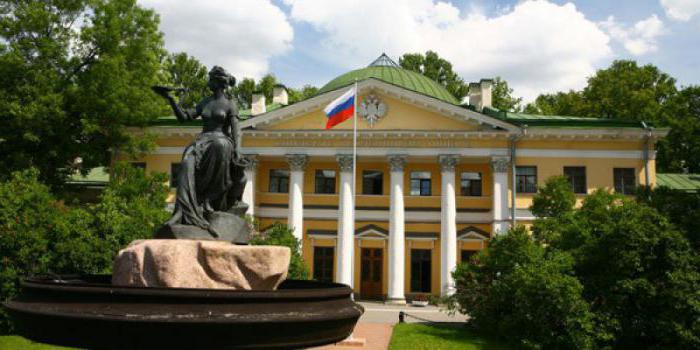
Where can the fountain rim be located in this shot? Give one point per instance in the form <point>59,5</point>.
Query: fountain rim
<point>77,284</point>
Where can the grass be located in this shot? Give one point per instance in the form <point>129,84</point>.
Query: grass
<point>417,336</point>
<point>15,342</point>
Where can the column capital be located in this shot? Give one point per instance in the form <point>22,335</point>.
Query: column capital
<point>448,162</point>
<point>500,164</point>
<point>397,162</point>
<point>297,162</point>
<point>345,162</point>
<point>252,161</point>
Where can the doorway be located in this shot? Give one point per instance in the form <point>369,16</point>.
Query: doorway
<point>371,273</point>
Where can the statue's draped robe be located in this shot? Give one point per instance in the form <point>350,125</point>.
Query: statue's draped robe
<point>209,180</point>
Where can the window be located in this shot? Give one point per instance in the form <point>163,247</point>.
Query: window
<point>467,254</point>
<point>577,178</point>
<point>526,179</point>
<point>325,181</point>
<point>372,182</point>
<point>139,165</point>
<point>279,181</point>
<point>420,270</point>
<point>420,183</point>
<point>624,180</point>
<point>323,264</point>
<point>470,184</point>
<point>174,174</point>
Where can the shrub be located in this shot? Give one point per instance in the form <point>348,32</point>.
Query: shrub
<point>282,235</point>
<point>515,290</point>
<point>41,235</point>
<point>640,274</point>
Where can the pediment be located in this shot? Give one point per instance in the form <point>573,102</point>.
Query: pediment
<point>405,110</point>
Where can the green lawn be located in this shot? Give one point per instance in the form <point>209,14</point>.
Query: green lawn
<point>14,342</point>
<point>415,336</point>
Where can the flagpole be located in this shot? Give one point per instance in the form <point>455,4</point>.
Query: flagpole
<point>354,167</point>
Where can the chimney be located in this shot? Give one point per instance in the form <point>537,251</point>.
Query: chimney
<point>279,95</point>
<point>480,94</point>
<point>257,105</point>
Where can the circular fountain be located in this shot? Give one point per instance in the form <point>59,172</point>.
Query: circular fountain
<point>88,312</point>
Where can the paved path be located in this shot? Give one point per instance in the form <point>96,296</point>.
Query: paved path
<point>377,323</point>
<point>377,312</point>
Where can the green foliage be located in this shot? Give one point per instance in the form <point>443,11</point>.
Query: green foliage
<point>439,69</point>
<point>69,91</point>
<point>296,95</point>
<point>680,150</point>
<point>187,72</point>
<point>628,91</point>
<point>282,235</point>
<point>40,235</point>
<point>516,290</point>
<point>553,199</point>
<point>502,96</point>
<point>681,208</point>
<point>560,103</point>
<point>639,273</point>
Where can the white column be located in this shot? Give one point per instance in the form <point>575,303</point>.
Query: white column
<point>499,168</point>
<point>397,256</point>
<point>295,218</point>
<point>249,189</point>
<point>448,224</point>
<point>346,223</point>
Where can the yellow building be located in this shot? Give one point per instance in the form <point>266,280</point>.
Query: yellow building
<point>434,178</point>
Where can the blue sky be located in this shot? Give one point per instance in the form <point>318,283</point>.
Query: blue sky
<point>538,46</point>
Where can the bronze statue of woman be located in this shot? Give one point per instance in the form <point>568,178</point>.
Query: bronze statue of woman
<point>211,177</point>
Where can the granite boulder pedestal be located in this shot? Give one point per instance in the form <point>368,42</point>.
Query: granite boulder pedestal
<point>182,263</point>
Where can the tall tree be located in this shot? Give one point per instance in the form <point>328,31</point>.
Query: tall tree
<point>439,69</point>
<point>680,150</point>
<point>307,91</point>
<point>627,91</point>
<point>187,72</point>
<point>69,91</point>
<point>502,96</point>
<point>560,103</point>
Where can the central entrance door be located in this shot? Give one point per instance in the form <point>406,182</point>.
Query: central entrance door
<point>371,273</point>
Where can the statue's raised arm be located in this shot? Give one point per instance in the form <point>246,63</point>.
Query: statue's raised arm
<point>181,113</point>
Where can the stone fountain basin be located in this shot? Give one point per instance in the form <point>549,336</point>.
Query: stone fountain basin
<point>88,312</point>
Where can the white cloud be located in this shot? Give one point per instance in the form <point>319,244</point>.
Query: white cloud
<point>240,36</point>
<point>681,10</point>
<point>537,46</point>
<point>638,39</point>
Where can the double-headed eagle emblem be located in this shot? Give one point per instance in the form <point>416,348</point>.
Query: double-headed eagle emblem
<point>372,109</point>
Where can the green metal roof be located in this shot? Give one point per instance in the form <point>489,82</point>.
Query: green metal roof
<point>680,182</point>
<point>384,69</point>
<point>98,175</point>
<point>537,120</point>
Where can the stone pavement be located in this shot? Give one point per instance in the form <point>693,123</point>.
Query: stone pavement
<point>377,323</point>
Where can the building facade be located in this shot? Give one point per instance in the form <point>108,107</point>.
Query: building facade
<point>434,179</point>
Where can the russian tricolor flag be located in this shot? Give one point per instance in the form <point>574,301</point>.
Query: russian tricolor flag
<point>341,109</point>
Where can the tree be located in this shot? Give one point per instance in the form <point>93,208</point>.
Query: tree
<point>640,274</point>
<point>40,234</point>
<point>282,235</point>
<point>629,92</point>
<point>681,208</point>
<point>69,91</point>
<point>516,290</point>
<point>502,96</point>
<point>680,150</point>
<point>187,72</point>
<point>555,201</point>
<point>561,103</point>
<point>439,69</point>
<point>296,95</point>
